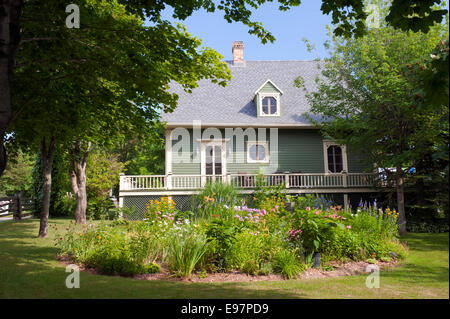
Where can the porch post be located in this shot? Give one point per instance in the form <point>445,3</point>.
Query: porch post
<point>344,179</point>
<point>286,180</point>
<point>345,184</point>
<point>168,152</point>
<point>203,180</point>
<point>169,181</point>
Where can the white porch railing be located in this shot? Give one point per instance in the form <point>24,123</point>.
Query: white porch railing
<point>246,181</point>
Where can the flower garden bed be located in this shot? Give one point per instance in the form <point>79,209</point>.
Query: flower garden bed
<point>226,239</point>
<point>339,269</point>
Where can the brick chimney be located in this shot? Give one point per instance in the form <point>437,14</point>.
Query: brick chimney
<point>238,52</point>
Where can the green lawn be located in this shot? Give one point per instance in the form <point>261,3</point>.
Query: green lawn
<point>28,269</point>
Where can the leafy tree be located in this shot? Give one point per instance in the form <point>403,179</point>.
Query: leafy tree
<point>144,154</point>
<point>370,97</point>
<point>18,15</point>
<point>17,176</point>
<point>88,99</point>
<point>431,164</point>
<point>103,170</point>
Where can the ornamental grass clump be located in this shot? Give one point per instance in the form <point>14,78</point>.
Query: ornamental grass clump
<point>185,251</point>
<point>287,263</point>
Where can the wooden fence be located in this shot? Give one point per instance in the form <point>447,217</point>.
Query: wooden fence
<point>16,206</point>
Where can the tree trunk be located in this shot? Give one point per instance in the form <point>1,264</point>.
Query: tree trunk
<point>18,206</point>
<point>47,156</point>
<point>77,173</point>
<point>10,11</point>
<point>401,202</point>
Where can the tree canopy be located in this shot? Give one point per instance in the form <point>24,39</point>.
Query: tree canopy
<point>375,95</point>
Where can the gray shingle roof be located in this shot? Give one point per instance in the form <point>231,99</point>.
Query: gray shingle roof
<point>233,104</point>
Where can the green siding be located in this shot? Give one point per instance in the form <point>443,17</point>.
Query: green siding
<point>187,167</point>
<point>299,150</point>
<point>238,162</point>
<point>268,88</point>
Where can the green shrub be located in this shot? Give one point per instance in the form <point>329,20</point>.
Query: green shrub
<point>247,253</point>
<point>66,205</point>
<point>266,268</point>
<point>287,263</point>
<point>221,234</point>
<point>316,227</point>
<point>100,208</point>
<point>345,245</point>
<point>150,268</point>
<point>112,249</point>
<point>394,246</point>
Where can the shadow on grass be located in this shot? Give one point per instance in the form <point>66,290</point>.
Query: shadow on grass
<point>30,270</point>
<point>427,241</point>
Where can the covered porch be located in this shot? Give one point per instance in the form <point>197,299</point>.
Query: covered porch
<point>132,185</point>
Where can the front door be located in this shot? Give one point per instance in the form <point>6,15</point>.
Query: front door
<point>213,161</point>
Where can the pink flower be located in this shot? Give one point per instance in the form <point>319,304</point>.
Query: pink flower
<point>316,212</point>
<point>348,226</point>
<point>308,208</point>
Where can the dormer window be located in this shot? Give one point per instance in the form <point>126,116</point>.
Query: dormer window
<point>269,105</point>
<point>268,99</point>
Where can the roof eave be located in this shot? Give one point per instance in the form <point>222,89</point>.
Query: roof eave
<point>172,125</point>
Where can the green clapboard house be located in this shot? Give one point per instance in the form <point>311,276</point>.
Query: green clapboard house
<point>253,125</point>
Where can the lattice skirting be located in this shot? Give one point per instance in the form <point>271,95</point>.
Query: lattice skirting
<point>138,204</point>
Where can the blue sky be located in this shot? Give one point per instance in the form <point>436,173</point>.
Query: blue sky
<point>289,28</point>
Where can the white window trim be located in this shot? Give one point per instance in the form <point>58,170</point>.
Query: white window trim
<point>266,147</point>
<point>203,145</point>
<point>328,143</point>
<point>264,95</point>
